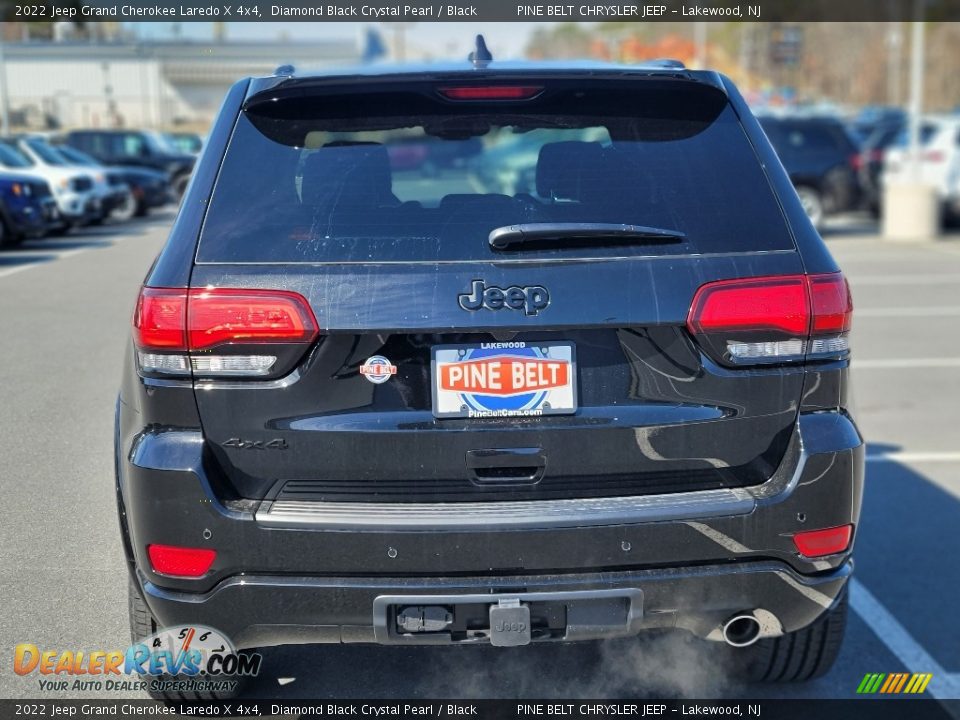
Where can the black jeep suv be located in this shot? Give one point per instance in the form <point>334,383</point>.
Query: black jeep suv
<point>366,403</point>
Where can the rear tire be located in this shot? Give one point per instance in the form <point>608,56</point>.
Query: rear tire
<point>798,656</point>
<point>6,237</point>
<point>812,204</point>
<point>179,186</point>
<point>143,625</point>
<point>127,209</point>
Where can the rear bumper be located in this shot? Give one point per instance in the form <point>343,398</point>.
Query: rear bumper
<point>260,611</point>
<point>695,558</point>
<point>79,207</point>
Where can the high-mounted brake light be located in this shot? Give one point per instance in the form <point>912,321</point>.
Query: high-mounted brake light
<point>491,92</point>
<point>180,561</point>
<point>169,323</point>
<point>781,318</point>
<point>819,543</point>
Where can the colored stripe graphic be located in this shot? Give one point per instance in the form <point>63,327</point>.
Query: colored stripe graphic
<point>894,683</point>
<point>903,681</point>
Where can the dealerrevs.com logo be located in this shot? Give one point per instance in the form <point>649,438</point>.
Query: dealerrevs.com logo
<point>183,658</point>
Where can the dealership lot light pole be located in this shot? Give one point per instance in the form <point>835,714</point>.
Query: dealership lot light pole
<point>911,208</point>
<point>4,98</point>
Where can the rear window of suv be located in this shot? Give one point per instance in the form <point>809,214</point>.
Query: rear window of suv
<point>407,175</point>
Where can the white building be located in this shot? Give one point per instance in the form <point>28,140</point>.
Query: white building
<point>150,84</point>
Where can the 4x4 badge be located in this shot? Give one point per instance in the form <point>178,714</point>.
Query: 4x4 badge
<point>529,298</point>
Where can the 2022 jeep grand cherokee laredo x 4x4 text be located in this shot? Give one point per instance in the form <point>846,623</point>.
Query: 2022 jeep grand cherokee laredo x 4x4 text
<point>369,399</point>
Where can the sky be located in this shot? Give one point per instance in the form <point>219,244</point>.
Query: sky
<point>439,40</point>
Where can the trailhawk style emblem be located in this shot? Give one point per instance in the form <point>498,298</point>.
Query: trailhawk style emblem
<point>504,379</point>
<point>530,298</point>
<point>378,369</point>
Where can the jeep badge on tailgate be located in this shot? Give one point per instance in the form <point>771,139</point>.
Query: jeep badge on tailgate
<point>530,298</point>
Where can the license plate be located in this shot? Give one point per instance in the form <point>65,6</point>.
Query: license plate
<point>504,379</point>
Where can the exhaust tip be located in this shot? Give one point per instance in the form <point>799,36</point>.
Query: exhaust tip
<point>741,630</point>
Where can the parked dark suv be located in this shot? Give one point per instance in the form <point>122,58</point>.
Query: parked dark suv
<point>823,161</point>
<point>139,148</point>
<point>365,404</point>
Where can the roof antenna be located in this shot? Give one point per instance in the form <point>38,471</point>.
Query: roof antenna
<point>480,57</point>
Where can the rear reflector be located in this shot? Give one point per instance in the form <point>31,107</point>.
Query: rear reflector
<point>180,561</point>
<point>782,318</point>
<point>819,543</point>
<point>491,92</point>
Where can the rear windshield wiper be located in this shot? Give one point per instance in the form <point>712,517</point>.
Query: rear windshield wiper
<point>532,235</point>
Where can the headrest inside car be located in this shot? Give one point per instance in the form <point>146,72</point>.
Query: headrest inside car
<point>355,171</point>
<point>564,169</point>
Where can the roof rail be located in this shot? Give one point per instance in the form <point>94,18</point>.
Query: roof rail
<point>285,70</point>
<point>669,63</point>
<point>481,56</point>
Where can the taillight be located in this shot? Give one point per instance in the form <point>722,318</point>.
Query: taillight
<point>159,321</point>
<point>856,161</point>
<point>180,561</point>
<point>175,329</point>
<point>784,318</point>
<point>221,316</point>
<point>491,92</point>
<point>819,543</point>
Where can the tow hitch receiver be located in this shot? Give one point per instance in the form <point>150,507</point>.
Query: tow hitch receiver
<point>509,623</point>
<point>430,618</point>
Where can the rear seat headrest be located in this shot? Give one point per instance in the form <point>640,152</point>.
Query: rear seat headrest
<point>352,169</point>
<point>565,169</point>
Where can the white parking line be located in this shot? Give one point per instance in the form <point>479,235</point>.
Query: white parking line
<point>907,457</point>
<point>892,312</point>
<point>897,363</point>
<point>47,250</point>
<point>19,268</point>
<point>48,255</point>
<point>899,641</point>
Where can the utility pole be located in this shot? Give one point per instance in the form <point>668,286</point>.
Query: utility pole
<point>894,62</point>
<point>746,56</point>
<point>916,94</point>
<point>4,97</point>
<point>700,45</point>
<point>399,39</point>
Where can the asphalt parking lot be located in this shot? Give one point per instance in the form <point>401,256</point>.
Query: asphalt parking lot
<point>64,309</point>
